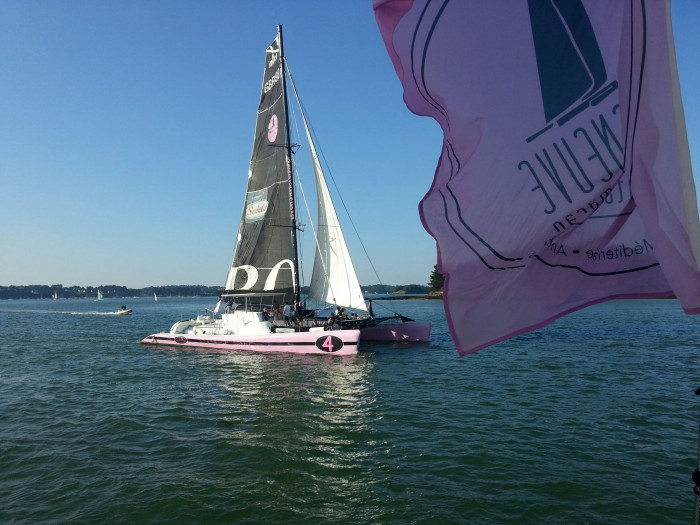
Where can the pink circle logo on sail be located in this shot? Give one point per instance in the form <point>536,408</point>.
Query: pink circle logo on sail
<point>272,128</point>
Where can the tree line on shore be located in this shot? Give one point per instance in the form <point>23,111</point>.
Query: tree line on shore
<point>114,291</point>
<point>42,291</point>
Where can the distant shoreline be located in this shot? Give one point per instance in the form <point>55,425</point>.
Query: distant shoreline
<point>58,291</point>
<point>394,297</point>
<point>400,297</point>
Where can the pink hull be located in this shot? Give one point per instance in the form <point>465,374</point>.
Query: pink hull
<point>336,342</point>
<point>407,332</point>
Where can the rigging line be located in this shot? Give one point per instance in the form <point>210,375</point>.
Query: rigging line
<point>300,245</point>
<point>292,122</point>
<point>328,169</point>
<point>352,223</point>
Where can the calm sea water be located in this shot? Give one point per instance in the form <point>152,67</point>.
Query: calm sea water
<point>591,420</point>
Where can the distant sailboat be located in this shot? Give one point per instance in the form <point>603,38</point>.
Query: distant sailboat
<point>55,296</point>
<point>155,297</point>
<point>99,295</point>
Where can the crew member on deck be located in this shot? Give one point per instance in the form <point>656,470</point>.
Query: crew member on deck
<point>300,313</point>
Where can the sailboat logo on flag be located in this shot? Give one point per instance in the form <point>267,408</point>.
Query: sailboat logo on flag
<point>569,61</point>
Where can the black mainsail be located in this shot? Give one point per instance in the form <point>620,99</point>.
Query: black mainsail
<point>265,259</point>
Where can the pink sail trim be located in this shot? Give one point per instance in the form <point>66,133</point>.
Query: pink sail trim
<point>565,176</point>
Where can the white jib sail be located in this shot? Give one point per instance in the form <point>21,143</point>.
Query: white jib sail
<point>333,279</point>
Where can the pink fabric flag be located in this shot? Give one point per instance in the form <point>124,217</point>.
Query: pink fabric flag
<point>216,308</point>
<point>565,176</point>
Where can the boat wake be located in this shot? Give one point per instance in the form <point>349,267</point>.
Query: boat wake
<point>95,313</point>
<point>59,312</point>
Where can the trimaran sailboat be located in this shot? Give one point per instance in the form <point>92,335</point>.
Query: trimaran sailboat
<point>264,275</point>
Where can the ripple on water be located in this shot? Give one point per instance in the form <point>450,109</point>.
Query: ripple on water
<point>589,420</point>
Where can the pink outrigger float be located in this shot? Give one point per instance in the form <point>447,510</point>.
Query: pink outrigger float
<point>264,274</point>
<point>407,332</point>
<point>396,328</point>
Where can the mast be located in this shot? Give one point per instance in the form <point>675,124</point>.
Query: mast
<point>292,214</point>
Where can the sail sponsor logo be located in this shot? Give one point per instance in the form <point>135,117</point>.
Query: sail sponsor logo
<point>273,80</point>
<point>256,211</point>
<point>256,205</point>
<point>272,128</point>
<point>291,190</point>
<point>251,275</point>
<point>274,52</point>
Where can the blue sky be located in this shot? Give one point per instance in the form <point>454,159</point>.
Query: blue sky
<point>126,130</point>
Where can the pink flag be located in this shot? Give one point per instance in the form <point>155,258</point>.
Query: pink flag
<point>216,308</point>
<point>565,176</point>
